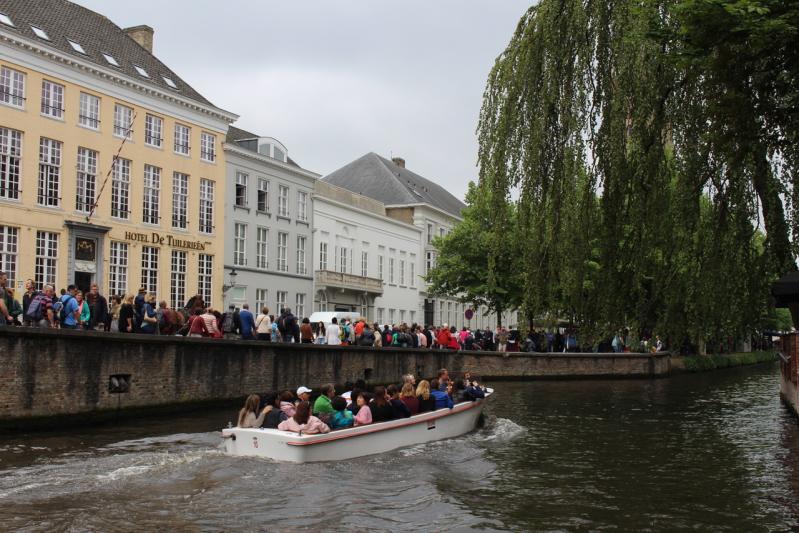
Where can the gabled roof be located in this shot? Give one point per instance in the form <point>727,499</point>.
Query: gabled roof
<point>377,177</point>
<point>97,35</point>
<point>234,135</point>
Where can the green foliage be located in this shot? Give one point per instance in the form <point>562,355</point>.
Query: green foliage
<point>476,265</point>
<point>647,142</point>
<point>702,363</point>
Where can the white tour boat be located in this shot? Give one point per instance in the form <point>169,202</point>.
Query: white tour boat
<point>356,441</point>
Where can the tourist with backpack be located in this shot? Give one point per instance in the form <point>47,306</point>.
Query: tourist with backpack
<point>27,298</point>
<point>67,317</point>
<point>40,310</point>
<point>230,326</point>
<point>149,323</point>
<point>98,308</point>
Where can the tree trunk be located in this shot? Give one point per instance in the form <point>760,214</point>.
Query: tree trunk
<point>499,316</point>
<point>773,214</point>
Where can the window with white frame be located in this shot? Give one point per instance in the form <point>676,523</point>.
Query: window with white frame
<point>299,309</point>
<point>52,99</point>
<point>152,194</point>
<point>241,189</point>
<point>302,268</point>
<point>430,262</point>
<point>392,316</point>
<point>180,200</point>
<point>429,233</point>
<point>260,299</point>
<point>302,206</point>
<point>364,264</point>
<point>123,121</point>
<point>177,275</point>
<point>10,163</point>
<point>87,180</point>
<point>322,256</point>
<point>12,87</point>
<point>262,247</point>
<point>402,316</point>
<point>343,260</point>
<point>9,239</point>
<point>89,112</point>
<point>413,317</point>
<point>380,260</point>
<point>282,252</point>
<point>46,258</point>
<point>205,277</point>
<point>412,273</point>
<point>280,300</point>
<point>149,268</point>
<point>239,244</point>
<point>402,272</point>
<point>442,232</point>
<point>118,269</point>
<point>49,172</point>
<point>120,189</point>
<point>381,312</point>
<point>391,270</point>
<point>153,130</point>
<point>283,201</point>
<point>263,195</point>
<point>206,205</point>
<point>182,136</point>
<point>208,147</point>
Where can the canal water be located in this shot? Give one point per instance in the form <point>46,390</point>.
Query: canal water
<point>708,452</point>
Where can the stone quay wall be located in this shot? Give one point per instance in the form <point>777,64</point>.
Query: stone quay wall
<point>58,373</point>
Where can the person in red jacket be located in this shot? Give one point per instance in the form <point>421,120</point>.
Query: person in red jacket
<point>443,336</point>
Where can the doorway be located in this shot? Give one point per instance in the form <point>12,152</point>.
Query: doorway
<point>83,281</point>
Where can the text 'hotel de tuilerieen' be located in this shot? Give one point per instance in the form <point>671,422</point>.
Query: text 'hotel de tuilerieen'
<point>111,166</point>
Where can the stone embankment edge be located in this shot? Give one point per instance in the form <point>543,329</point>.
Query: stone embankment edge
<point>707,363</point>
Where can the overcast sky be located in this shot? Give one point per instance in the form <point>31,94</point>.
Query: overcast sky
<point>334,80</point>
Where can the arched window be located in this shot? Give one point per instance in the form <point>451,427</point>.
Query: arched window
<point>321,300</point>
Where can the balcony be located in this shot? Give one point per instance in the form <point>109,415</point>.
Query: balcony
<point>340,280</point>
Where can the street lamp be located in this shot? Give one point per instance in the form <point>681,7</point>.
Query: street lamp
<point>232,275</point>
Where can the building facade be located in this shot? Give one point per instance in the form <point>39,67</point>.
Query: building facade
<point>416,201</point>
<point>112,166</point>
<point>365,261</point>
<point>269,217</point>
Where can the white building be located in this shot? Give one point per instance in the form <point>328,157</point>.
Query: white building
<point>364,261</point>
<point>269,218</point>
<point>415,201</point>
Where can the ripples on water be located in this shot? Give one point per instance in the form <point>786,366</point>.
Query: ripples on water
<point>706,452</point>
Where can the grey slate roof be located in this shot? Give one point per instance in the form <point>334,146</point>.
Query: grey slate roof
<point>234,135</point>
<point>63,20</point>
<point>377,177</point>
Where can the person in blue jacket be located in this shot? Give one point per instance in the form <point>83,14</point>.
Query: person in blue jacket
<point>247,322</point>
<point>442,398</point>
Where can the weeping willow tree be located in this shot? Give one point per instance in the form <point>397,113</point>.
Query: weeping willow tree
<point>631,136</point>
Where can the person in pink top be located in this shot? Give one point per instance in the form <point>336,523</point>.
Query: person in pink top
<point>364,414</point>
<point>304,422</point>
<point>287,403</point>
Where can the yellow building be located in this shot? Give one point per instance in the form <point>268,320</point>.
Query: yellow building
<point>111,166</point>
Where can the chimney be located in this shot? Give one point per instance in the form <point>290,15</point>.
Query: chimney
<point>400,162</point>
<point>142,35</point>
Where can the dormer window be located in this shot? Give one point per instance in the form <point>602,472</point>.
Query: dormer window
<point>40,33</point>
<point>77,47</point>
<point>6,20</point>
<point>141,71</point>
<point>169,82</point>
<point>273,148</point>
<point>110,59</point>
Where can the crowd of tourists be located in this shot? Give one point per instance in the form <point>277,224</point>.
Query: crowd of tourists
<point>142,313</point>
<point>355,406</point>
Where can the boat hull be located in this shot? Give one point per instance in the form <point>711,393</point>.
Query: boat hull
<point>354,442</point>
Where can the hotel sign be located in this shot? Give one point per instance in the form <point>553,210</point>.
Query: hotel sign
<point>169,240</point>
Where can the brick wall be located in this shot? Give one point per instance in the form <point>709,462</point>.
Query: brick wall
<point>50,373</point>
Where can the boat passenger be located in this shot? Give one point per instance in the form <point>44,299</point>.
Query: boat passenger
<point>276,415</point>
<point>363,414</point>
<point>349,388</point>
<point>426,401</point>
<point>400,409</point>
<point>380,407</point>
<point>443,379</point>
<point>443,399</point>
<point>409,378</point>
<point>473,391</point>
<point>303,422</point>
<point>323,405</point>
<point>287,403</point>
<point>303,395</point>
<point>409,399</point>
<point>341,417</point>
<point>248,417</point>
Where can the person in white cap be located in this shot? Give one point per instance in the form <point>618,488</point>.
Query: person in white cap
<point>303,394</point>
